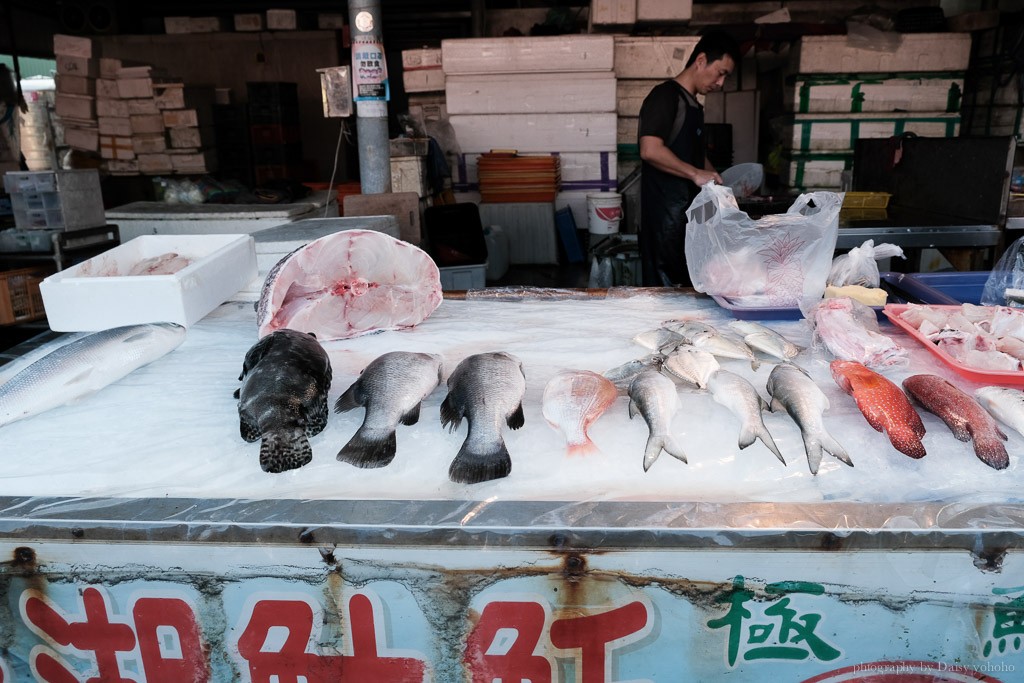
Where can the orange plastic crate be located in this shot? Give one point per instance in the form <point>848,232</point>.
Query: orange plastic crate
<point>20,300</point>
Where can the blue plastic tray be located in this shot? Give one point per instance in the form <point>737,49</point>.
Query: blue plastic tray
<point>947,288</point>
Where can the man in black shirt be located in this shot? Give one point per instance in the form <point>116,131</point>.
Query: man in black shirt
<point>672,151</point>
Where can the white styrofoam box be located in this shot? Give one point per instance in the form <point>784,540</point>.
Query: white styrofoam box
<point>154,163</point>
<point>652,56</point>
<point>80,107</point>
<point>185,118</point>
<point>423,80</point>
<point>107,108</point>
<point>916,52</point>
<point>77,66</point>
<point>75,85</point>
<point>531,93</point>
<point>824,171</point>
<point>282,20</point>
<point>193,24</point>
<point>134,87</point>
<point>590,171</point>
<point>630,95</point>
<point>72,46</point>
<point>409,174</point>
<point>149,143</point>
<point>98,294</point>
<point>828,94</point>
<point>464,277</point>
<point>142,106</point>
<point>129,167</point>
<point>520,54</point>
<point>578,132</point>
<point>838,132</point>
<point>113,147</point>
<point>530,226</point>
<point>147,123</point>
<point>248,22</point>
<point>106,89</point>
<point>85,139</point>
<point>115,125</point>
<point>109,67</point>
<point>627,129</point>
<point>664,10</point>
<point>612,12</point>
<point>422,58</point>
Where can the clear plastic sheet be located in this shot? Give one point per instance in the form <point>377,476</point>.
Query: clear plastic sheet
<point>161,448</point>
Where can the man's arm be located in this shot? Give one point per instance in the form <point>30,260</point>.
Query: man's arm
<point>654,151</point>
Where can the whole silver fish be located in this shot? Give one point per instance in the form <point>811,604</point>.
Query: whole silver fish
<point>654,396</point>
<point>391,388</point>
<point>792,389</point>
<point>1004,404</point>
<point>85,366</point>
<point>655,340</point>
<point>623,374</point>
<point>487,389</point>
<point>765,340</point>
<point>283,398</point>
<point>691,365</point>
<point>707,338</point>
<point>743,401</point>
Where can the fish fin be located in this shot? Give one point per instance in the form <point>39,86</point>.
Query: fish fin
<point>470,467</point>
<point>516,419</point>
<point>990,450</point>
<point>657,444</point>
<point>411,417</point>
<point>633,409</point>
<point>238,393</point>
<point>284,450</point>
<point>317,414</point>
<point>369,448</point>
<point>750,433</point>
<point>451,415</point>
<point>813,449</point>
<point>775,405</point>
<point>80,377</point>
<point>352,398</point>
<point>832,446</point>
<point>248,428</point>
<point>582,448</point>
<point>754,363</point>
<point>907,443</point>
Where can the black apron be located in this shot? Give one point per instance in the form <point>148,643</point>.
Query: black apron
<point>664,199</point>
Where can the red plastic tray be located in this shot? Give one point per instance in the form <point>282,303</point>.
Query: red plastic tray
<point>893,311</point>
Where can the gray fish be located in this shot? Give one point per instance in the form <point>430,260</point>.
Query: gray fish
<point>655,340</point>
<point>793,389</point>
<point>85,366</point>
<point>391,388</point>
<point>765,340</point>
<point>283,398</point>
<point>691,365</point>
<point>743,401</point>
<point>654,396</point>
<point>622,375</point>
<point>487,389</point>
<point>707,338</point>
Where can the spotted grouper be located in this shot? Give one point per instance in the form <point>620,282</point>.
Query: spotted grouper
<point>963,415</point>
<point>883,404</point>
<point>283,398</point>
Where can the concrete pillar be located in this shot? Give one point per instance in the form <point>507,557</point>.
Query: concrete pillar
<point>371,115</point>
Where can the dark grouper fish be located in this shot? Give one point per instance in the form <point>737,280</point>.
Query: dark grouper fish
<point>283,398</point>
<point>391,387</point>
<point>487,389</point>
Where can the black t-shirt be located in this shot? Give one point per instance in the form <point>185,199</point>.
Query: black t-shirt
<point>659,109</point>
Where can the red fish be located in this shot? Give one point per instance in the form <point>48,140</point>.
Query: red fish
<point>963,415</point>
<point>883,405</point>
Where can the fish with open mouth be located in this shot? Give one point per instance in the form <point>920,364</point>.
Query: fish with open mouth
<point>391,388</point>
<point>283,398</point>
<point>487,389</point>
<point>743,401</point>
<point>793,390</point>
<point>654,396</point>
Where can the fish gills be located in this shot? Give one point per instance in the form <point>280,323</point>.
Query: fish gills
<point>792,389</point>
<point>963,415</point>
<point>391,388</point>
<point>885,407</point>
<point>487,390</point>
<point>283,398</point>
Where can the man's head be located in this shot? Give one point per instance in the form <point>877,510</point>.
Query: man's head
<point>711,61</point>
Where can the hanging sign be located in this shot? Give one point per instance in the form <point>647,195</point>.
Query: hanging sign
<point>369,71</point>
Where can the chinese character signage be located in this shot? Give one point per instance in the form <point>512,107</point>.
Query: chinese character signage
<point>402,617</point>
<point>369,71</point>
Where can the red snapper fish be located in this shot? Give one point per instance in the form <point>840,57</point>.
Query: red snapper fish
<point>963,415</point>
<point>885,407</point>
<point>573,400</point>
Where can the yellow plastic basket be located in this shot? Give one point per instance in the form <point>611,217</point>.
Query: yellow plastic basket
<point>866,200</point>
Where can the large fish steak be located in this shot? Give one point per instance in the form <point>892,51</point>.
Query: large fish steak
<point>283,398</point>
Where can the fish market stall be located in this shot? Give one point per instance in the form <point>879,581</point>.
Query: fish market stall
<point>143,541</point>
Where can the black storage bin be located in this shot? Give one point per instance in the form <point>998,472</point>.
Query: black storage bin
<point>455,235</point>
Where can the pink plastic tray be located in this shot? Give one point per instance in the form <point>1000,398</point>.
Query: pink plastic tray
<point>893,311</point>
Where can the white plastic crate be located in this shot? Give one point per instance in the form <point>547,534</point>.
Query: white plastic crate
<point>70,200</point>
<point>464,277</point>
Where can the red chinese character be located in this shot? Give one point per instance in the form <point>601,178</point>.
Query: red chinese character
<point>95,634</point>
<point>292,661</point>
<point>488,657</point>
<point>591,633</point>
<point>183,657</point>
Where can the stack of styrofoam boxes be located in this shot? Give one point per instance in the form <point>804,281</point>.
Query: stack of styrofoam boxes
<point>75,101</point>
<point>36,131</point>
<point>188,119</point>
<point>421,71</point>
<point>625,12</point>
<point>536,95</point>
<point>56,200</point>
<point>132,130</point>
<point>843,92</point>
<point>193,24</point>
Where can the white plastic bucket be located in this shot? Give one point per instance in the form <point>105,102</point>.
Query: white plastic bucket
<point>604,211</point>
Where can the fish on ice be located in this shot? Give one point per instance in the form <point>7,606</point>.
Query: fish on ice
<point>486,389</point>
<point>883,404</point>
<point>84,366</point>
<point>572,401</point>
<point>655,397</point>
<point>283,398</point>
<point>391,388</point>
<point>766,340</point>
<point>963,415</point>
<point>623,374</point>
<point>1004,404</point>
<point>691,365</point>
<point>741,398</point>
<point>793,390</point>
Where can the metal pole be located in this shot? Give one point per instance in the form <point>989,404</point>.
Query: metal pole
<point>371,115</point>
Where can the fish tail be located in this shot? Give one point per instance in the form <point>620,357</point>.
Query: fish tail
<point>990,450</point>
<point>284,450</point>
<point>907,441</point>
<point>473,467</point>
<point>582,447</point>
<point>658,443</point>
<point>832,446</point>
<point>369,448</point>
<point>751,432</point>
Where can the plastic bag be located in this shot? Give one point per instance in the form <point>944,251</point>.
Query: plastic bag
<point>779,261</point>
<point>859,266</point>
<point>1008,274</point>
